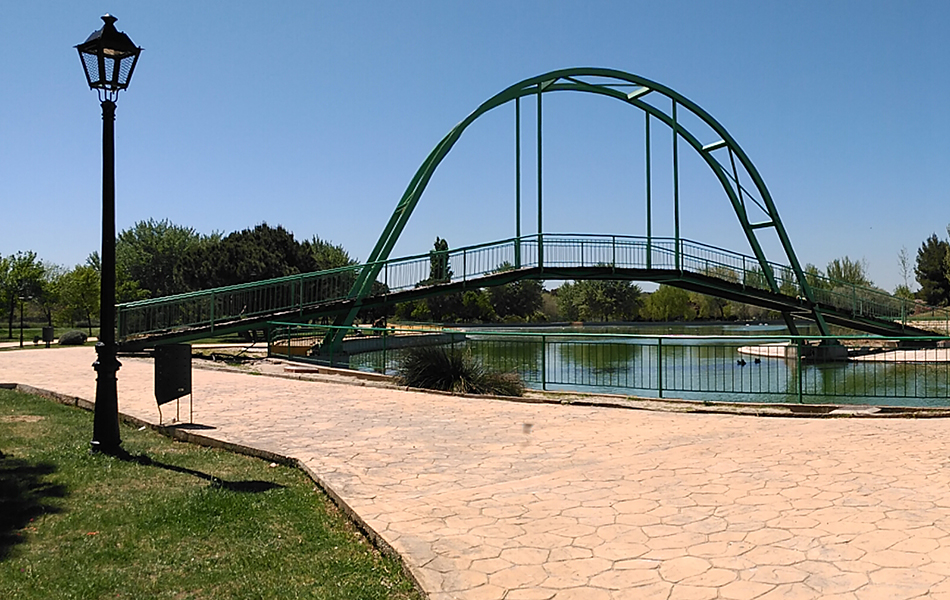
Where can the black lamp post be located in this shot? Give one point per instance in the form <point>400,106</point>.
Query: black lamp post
<point>108,58</point>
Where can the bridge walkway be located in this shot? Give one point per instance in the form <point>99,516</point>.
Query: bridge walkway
<point>689,265</point>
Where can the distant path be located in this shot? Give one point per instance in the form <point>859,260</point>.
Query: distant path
<point>488,499</point>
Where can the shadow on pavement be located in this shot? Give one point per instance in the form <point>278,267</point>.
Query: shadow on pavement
<point>24,495</point>
<point>196,426</point>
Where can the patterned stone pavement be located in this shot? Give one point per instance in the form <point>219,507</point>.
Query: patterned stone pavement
<point>501,500</point>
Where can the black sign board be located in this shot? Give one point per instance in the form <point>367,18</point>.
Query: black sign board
<point>172,372</point>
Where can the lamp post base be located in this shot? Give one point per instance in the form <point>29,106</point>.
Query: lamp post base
<point>105,427</point>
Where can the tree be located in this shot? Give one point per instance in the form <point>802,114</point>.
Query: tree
<point>519,299</point>
<point>814,277</point>
<point>79,294</point>
<point>615,299</point>
<point>327,256</point>
<point>148,254</point>
<point>931,271</point>
<point>567,306</point>
<point>50,293</point>
<point>669,303</point>
<point>710,307</point>
<point>22,279</point>
<point>599,300</point>
<point>440,270</point>
<point>902,291</point>
<point>263,252</point>
<point>903,263</point>
<point>845,270</point>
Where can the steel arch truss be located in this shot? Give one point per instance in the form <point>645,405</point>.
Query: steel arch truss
<point>740,180</point>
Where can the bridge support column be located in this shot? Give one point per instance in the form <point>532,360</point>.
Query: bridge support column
<point>826,351</point>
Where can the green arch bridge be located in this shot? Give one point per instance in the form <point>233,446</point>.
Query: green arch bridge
<point>751,277</point>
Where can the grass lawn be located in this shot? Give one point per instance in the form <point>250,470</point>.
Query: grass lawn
<point>173,521</point>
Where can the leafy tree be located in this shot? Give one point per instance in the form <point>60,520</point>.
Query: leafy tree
<point>519,299</point>
<point>599,300</point>
<point>567,305</point>
<point>787,281</point>
<point>845,270</point>
<point>931,271</point>
<point>79,294</point>
<point>327,256</point>
<point>23,279</point>
<point>49,297</point>
<point>609,299</point>
<point>902,291</point>
<point>714,307</point>
<point>814,277</point>
<point>669,303</point>
<point>755,277</point>
<point>710,307</point>
<point>748,312</point>
<point>148,254</point>
<point>475,307</point>
<point>263,252</point>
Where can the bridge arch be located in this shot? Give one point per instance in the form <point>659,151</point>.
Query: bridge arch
<point>632,90</point>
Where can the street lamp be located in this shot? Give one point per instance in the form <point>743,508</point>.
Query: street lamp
<point>108,59</point>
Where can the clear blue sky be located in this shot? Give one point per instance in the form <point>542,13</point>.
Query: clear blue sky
<point>315,115</point>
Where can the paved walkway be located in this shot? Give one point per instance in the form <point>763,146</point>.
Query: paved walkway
<point>491,499</point>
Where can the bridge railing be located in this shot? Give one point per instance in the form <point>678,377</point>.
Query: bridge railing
<point>299,293</point>
<point>208,308</point>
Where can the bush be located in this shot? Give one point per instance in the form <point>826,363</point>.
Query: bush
<point>451,369</point>
<point>73,337</point>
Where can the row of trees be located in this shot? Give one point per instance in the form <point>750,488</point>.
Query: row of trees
<point>157,258</point>
<point>65,296</point>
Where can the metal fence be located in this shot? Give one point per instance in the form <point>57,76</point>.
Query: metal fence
<point>715,368</point>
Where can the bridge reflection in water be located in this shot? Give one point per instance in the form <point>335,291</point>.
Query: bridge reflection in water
<point>715,368</point>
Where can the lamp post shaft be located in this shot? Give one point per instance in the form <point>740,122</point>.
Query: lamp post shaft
<point>105,435</point>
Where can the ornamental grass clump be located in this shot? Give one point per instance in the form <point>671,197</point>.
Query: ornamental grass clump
<point>73,337</point>
<point>451,369</point>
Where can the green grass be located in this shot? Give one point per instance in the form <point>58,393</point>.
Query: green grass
<point>177,521</point>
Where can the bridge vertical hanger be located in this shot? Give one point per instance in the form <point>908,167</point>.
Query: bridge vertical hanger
<point>540,225</point>
<point>518,183</point>
<point>649,195</point>
<point>676,191</point>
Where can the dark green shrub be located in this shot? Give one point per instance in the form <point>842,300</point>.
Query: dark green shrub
<point>451,369</point>
<point>73,337</point>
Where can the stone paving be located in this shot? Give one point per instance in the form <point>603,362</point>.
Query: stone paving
<point>489,499</point>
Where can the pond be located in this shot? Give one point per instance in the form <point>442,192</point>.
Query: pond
<point>677,361</point>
